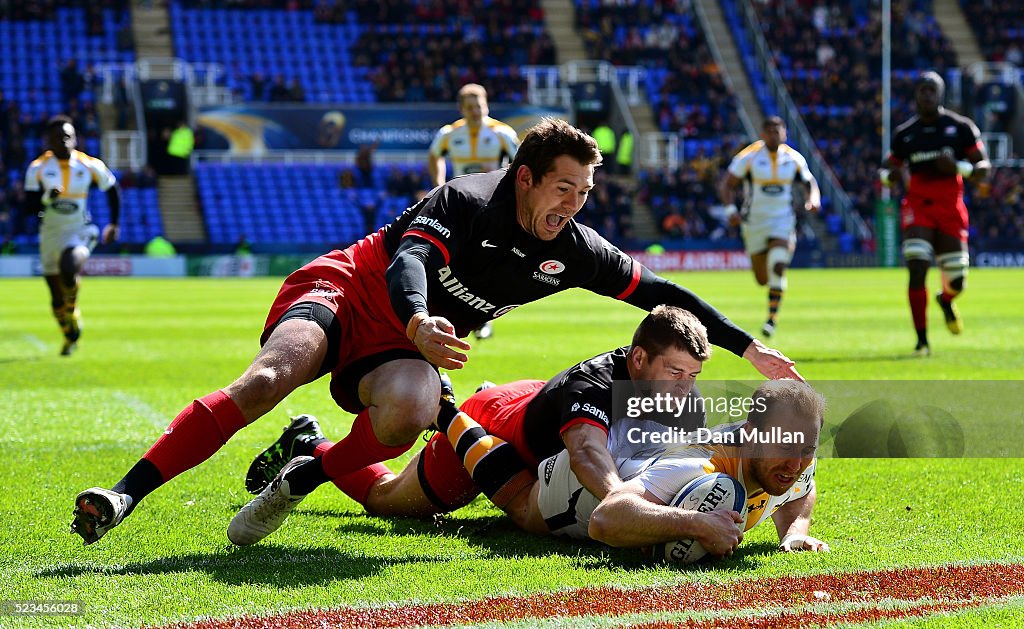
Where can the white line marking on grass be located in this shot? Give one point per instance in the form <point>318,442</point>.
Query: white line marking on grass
<point>142,409</point>
<point>35,342</point>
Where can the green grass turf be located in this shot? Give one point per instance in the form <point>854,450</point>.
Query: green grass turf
<point>150,346</point>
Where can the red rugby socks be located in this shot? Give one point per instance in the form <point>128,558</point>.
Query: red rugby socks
<point>358,450</point>
<point>196,434</point>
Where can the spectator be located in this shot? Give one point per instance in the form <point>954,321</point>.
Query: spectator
<point>180,143</point>
<point>71,81</point>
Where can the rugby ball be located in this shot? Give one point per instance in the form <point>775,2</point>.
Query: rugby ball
<point>711,492</point>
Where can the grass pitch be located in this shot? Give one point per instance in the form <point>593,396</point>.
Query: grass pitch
<point>151,346</point>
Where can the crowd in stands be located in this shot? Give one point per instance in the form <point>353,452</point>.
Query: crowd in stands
<point>277,91</point>
<point>47,9</point>
<point>425,51</point>
<point>997,211</point>
<point>829,56</point>
<point>999,27</point>
<point>685,86</point>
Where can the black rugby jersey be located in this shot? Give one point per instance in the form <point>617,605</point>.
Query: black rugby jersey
<point>482,264</point>
<point>919,144</point>
<point>491,264</point>
<point>584,393</point>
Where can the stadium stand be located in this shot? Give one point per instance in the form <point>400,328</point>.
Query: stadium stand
<point>35,86</point>
<point>409,51</point>
<point>395,51</point>
<point>999,27</point>
<point>688,96</point>
<point>830,60</point>
<point>301,203</point>
<point>684,85</point>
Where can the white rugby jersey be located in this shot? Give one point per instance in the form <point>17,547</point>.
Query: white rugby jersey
<point>477,152</point>
<point>665,473</point>
<point>768,178</point>
<point>73,176</point>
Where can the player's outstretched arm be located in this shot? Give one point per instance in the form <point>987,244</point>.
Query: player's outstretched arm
<point>813,200</point>
<point>407,289</point>
<point>770,362</point>
<point>590,460</point>
<point>793,521</point>
<point>436,169</point>
<point>112,230</point>
<point>653,290</point>
<point>631,517</point>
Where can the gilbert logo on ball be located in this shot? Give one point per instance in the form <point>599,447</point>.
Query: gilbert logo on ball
<point>711,492</point>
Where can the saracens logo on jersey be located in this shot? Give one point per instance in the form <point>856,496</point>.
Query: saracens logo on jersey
<point>552,267</point>
<point>549,268</point>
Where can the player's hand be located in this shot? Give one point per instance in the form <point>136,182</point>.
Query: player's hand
<point>811,206</point>
<point>732,215</point>
<point>111,233</point>
<point>436,340</point>
<point>796,542</point>
<point>945,163</point>
<point>56,192</point>
<point>770,362</point>
<point>723,532</point>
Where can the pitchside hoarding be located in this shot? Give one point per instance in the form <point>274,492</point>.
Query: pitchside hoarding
<point>255,128</point>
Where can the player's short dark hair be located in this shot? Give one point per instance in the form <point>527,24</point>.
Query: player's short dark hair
<point>931,77</point>
<point>58,121</point>
<point>550,138</point>
<point>772,121</point>
<point>667,327</point>
<point>793,396</point>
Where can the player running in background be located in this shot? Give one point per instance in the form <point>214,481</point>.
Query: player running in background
<point>57,188</point>
<point>475,143</point>
<point>384,314</point>
<point>941,149</point>
<point>769,168</point>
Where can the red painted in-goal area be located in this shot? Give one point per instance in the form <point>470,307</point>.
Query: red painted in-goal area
<point>954,586</point>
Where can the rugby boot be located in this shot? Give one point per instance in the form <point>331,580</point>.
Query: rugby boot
<point>299,437</point>
<point>266,512</point>
<point>949,310</point>
<point>72,329</point>
<point>98,510</point>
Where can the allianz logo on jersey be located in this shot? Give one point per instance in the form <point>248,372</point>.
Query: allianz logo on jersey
<point>433,223</point>
<point>457,289</point>
<point>923,156</point>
